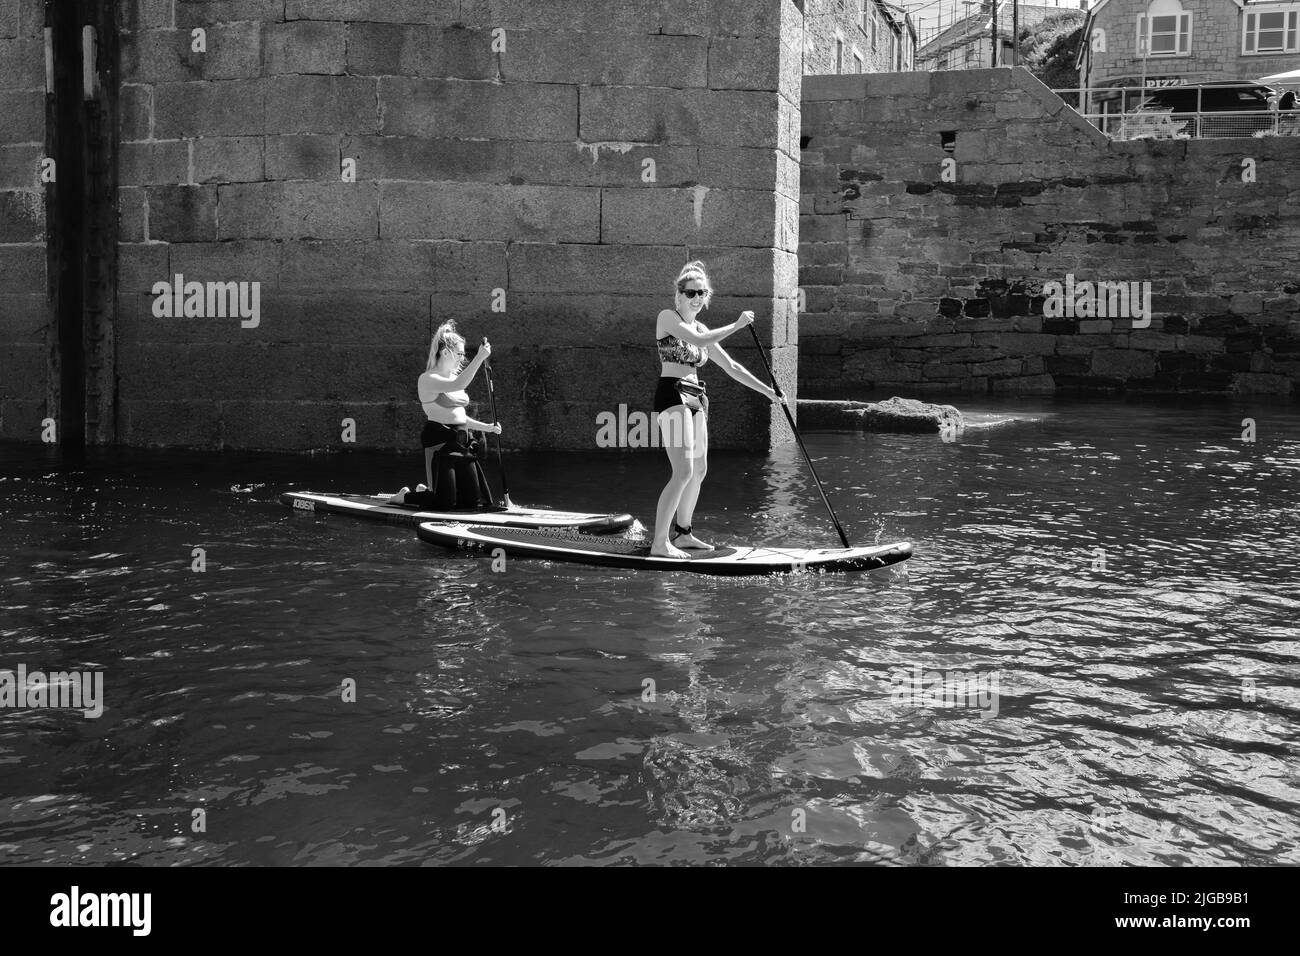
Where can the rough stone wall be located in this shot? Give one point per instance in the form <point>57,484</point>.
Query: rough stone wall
<point>916,284</point>
<point>1215,48</point>
<point>565,178</point>
<point>24,315</point>
<point>822,18</point>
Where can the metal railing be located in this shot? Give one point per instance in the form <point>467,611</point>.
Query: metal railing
<point>1156,122</point>
<point>1167,124</point>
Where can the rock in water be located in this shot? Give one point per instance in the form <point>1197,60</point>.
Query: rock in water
<point>910,415</point>
<point>894,415</point>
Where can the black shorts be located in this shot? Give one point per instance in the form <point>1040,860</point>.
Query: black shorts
<point>674,391</point>
<point>455,440</point>
<point>454,471</point>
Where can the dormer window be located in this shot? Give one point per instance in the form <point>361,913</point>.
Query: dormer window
<point>1165,30</point>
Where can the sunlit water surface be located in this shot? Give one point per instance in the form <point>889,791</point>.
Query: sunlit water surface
<point>1129,575</point>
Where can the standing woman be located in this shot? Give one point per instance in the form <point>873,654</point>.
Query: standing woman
<point>682,407</point>
<point>452,471</point>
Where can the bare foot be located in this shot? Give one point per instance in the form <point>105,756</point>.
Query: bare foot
<point>692,542</point>
<point>399,498</point>
<point>666,550</point>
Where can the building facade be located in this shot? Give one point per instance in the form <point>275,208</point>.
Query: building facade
<point>1157,43</point>
<point>967,44</point>
<point>857,36</point>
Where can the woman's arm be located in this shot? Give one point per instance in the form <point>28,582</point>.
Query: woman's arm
<point>740,373</point>
<point>679,329</point>
<point>446,384</point>
<point>482,426</point>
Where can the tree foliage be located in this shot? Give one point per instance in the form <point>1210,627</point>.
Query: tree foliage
<point>1049,48</point>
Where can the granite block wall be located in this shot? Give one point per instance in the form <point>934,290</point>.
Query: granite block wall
<point>538,172</point>
<point>24,310</point>
<point>919,280</point>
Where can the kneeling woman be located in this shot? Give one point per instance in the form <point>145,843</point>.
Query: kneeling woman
<point>682,408</point>
<point>452,471</point>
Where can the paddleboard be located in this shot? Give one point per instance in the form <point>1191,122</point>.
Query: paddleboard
<point>377,508</point>
<point>620,552</point>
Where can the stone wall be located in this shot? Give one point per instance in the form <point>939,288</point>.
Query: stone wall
<point>543,192</point>
<point>915,284</point>
<point>825,19</point>
<point>24,314</point>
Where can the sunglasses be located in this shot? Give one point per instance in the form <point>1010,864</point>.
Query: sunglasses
<point>692,293</point>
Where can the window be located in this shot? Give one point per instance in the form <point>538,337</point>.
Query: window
<point>875,23</point>
<point>943,62</point>
<point>1165,35</point>
<point>839,55</point>
<point>1270,31</point>
<point>857,62</point>
<point>1165,30</point>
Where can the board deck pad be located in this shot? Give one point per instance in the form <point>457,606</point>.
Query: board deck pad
<point>635,552</point>
<point>378,508</point>
<point>587,543</point>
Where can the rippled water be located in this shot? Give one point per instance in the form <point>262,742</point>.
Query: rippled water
<point>1128,575</point>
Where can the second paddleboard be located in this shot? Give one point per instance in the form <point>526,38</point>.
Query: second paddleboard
<point>377,508</point>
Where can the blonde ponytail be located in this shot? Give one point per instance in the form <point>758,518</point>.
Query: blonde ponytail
<point>445,337</point>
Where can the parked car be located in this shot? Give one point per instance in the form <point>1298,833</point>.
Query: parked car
<point>1224,108</point>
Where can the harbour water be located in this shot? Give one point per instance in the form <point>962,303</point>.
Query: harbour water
<point>1121,581</point>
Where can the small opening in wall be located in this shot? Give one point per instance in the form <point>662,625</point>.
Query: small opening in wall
<point>948,140</point>
<point>804,141</point>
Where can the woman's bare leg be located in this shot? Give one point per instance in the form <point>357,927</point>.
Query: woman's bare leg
<point>691,493</point>
<point>678,439</point>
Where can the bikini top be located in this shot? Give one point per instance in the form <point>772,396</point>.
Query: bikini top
<point>458,399</point>
<point>673,349</point>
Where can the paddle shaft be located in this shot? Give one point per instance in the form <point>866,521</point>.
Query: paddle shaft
<point>492,399</point>
<point>844,539</point>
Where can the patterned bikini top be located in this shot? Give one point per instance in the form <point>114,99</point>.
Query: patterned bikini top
<point>673,349</point>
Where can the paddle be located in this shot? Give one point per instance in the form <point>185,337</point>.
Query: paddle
<point>492,398</point>
<point>790,418</point>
